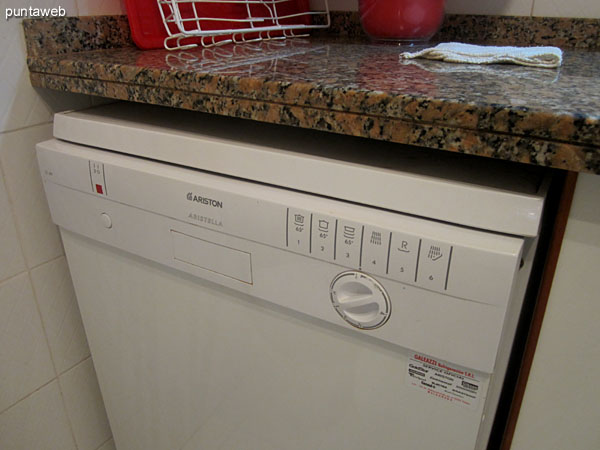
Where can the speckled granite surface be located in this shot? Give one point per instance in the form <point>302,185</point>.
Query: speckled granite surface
<point>539,116</point>
<point>75,34</point>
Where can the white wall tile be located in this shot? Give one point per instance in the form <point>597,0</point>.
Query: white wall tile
<point>100,7</point>
<point>25,362</point>
<point>85,407</point>
<point>572,8</point>
<point>69,5</point>
<point>11,256</point>
<point>20,104</point>
<point>38,420</point>
<point>492,7</point>
<point>37,423</point>
<point>60,313</point>
<point>40,238</point>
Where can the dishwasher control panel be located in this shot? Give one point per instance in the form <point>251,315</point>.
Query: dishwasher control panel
<point>462,262</point>
<point>404,257</point>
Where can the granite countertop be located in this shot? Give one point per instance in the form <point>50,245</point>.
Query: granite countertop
<point>345,85</point>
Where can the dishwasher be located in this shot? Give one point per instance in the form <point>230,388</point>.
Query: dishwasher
<point>252,286</point>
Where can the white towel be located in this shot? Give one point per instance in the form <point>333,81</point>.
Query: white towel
<point>549,57</point>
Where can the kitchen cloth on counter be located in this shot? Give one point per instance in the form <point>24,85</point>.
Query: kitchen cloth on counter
<point>549,57</point>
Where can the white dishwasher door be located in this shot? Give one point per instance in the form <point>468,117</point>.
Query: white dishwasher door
<point>187,364</point>
<point>226,314</point>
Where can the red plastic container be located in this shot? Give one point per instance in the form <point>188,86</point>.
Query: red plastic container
<point>145,23</point>
<point>401,20</point>
<point>148,30</point>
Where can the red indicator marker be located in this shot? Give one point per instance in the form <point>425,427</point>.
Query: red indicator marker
<point>99,189</point>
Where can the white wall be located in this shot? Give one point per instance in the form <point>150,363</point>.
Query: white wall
<point>561,407</point>
<point>49,396</point>
<point>556,8</point>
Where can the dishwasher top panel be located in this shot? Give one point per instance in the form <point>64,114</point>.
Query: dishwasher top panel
<point>450,187</point>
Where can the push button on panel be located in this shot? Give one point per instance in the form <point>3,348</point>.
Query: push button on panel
<point>434,263</point>
<point>347,244</point>
<point>404,250</point>
<point>323,236</point>
<point>298,230</point>
<point>376,243</point>
<point>106,220</point>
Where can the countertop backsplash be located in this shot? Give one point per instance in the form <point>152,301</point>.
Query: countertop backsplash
<point>566,33</point>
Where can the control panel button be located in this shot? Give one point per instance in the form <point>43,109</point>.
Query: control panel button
<point>106,220</point>
<point>434,263</point>
<point>97,177</point>
<point>404,250</point>
<point>298,230</point>
<point>323,236</point>
<point>375,250</point>
<point>347,243</point>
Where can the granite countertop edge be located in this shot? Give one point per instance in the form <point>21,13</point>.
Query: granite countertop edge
<point>521,134</point>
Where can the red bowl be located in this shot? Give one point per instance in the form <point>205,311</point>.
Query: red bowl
<point>401,20</point>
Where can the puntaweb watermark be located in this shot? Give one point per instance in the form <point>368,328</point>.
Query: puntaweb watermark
<point>31,12</point>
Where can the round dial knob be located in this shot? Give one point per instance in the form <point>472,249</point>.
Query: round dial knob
<point>360,300</point>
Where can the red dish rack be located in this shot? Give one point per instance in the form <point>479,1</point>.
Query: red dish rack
<point>183,24</point>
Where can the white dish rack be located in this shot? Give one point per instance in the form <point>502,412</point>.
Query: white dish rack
<point>258,58</point>
<point>218,22</point>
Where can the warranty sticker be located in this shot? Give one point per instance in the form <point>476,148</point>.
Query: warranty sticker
<point>437,378</point>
